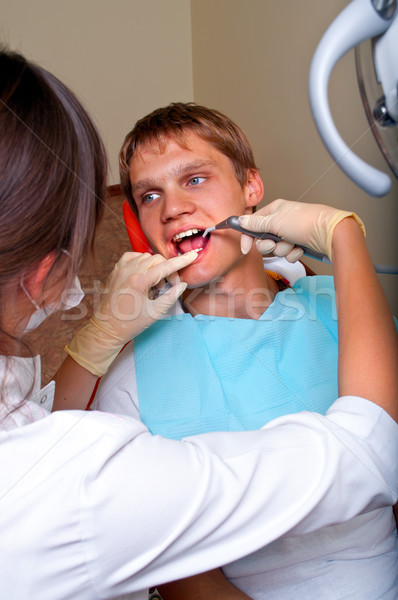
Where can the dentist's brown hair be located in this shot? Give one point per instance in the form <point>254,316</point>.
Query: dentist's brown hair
<point>53,169</point>
<point>53,175</point>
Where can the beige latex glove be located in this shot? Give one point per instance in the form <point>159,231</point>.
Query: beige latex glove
<point>310,225</point>
<point>127,308</point>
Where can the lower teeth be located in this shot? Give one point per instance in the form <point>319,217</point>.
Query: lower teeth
<point>196,250</point>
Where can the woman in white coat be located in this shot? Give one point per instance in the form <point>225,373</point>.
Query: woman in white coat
<point>78,516</point>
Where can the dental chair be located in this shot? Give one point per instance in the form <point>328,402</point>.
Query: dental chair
<point>138,241</point>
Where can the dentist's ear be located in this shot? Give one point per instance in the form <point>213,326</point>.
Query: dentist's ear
<point>254,190</point>
<point>34,280</point>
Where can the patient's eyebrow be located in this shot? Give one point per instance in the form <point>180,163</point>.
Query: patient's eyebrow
<point>185,168</point>
<point>143,184</point>
<point>175,171</point>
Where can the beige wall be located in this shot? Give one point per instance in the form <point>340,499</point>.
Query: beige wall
<point>251,60</point>
<point>123,58</point>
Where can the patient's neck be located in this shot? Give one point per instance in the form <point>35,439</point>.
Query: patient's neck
<point>243,293</point>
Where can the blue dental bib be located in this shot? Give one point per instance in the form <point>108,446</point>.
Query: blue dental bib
<point>201,374</point>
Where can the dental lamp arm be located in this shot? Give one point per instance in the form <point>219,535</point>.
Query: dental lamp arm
<point>357,22</point>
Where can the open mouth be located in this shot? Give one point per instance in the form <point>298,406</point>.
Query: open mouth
<point>192,239</point>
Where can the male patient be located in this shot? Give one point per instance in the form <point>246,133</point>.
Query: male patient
<point>242,348</point>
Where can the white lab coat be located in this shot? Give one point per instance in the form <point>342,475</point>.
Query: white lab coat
<point>357,559</point>
<point>93,506</point>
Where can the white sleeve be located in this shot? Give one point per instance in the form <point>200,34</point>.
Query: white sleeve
<point>156,510</point>
<point>117,390</point>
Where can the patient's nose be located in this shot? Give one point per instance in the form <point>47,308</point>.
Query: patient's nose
<point>176,204</point>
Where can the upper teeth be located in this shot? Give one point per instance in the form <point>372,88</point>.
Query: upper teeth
<point>183,234</point>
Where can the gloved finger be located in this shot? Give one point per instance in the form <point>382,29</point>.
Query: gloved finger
<point>149,261</point>
<point>130,263</point>
<point>246,243</point>
<point>152,268</point>
<point>126,270</point>
<point>173,279</point>
<point>295,254</point>
<point>254,222</point>
<point>169,266</point>
<point>128,257</point>
<point>265,246</point>
<point>156,308</point>
<point>119,267</point>
<point>283,248</point>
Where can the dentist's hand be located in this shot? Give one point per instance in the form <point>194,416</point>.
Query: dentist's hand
<point>310,225</point>
<point>127,307</point>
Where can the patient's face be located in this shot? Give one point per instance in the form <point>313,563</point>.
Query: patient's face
<point>182,191</point>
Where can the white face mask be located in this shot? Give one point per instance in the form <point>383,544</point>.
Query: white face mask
<point>70,298</point>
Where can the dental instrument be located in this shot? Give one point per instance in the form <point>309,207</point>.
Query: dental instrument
<point>233,223</point>
<point>159,289</point>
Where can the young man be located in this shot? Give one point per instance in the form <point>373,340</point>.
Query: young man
<point>185,168</point>
<point>241,350</point>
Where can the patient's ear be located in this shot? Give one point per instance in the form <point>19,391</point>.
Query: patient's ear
<point>254,189</point>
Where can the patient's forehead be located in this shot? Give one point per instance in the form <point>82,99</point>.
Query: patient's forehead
<point>186,139</point>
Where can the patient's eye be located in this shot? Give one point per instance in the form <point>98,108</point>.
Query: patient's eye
<point>196,180</point>
<point>148,198</point>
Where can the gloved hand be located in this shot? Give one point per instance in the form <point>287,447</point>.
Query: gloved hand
<point>127,308</point>
<point>310,225</point>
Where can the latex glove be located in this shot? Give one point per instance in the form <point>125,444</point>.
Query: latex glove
<point>310,225</point>
<point>126,307</point>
